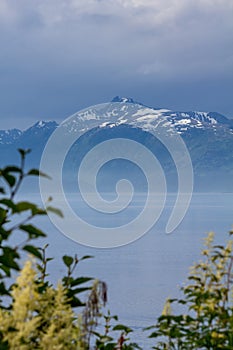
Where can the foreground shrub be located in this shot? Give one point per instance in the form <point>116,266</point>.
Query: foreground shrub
<point>33,313</point>
<point>39,318</point>
<point>207,318</point>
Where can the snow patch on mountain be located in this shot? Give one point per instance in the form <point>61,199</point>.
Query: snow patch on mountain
<point>184,121</point>
<point>9,136</point>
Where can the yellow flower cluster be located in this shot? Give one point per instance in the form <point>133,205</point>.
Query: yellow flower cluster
<point>42,320</point>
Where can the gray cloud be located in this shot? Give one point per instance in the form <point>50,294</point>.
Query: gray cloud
<point>58,56</point>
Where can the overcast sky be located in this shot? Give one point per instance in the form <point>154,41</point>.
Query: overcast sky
<point>58,56</point>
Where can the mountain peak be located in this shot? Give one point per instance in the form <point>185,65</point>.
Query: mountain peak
<point>41,124</point>
<point>123,99</point>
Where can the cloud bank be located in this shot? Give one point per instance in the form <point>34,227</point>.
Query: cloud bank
<point>60,55</point>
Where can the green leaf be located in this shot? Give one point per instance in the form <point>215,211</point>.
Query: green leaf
<point>4,234</point>
<point>33,250</point>
<point>12,169</point>
<point>68,260</point>
<point>37,172</point>
<point>121,327</point>
<point>75,302</point>
<point>149,328</point>
<point>56,211</point>
<point>6,269</point>
<point>8,257</point>
<point>33,232</point>
<point>2,190</point>
<point>3,290</point>
<point>24,152</point>
<point>154,335</point>
<point>86,257</point>
<point>80,280</point>
<point>8,203</point>
<point>49,259</point>
<point>114,317</point>
<point>4,345</point>
<point>10,179</point>
<point>109,346</point>
<point>3,215</point>
<point>24,206</point>
<point>79,290</point>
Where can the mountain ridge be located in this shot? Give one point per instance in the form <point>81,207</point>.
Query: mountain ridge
<point>207,135</point>
<point>177,117</point>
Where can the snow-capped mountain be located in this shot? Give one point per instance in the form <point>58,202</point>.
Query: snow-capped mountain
<point>208,136</point>
<point>122,110</point>
<point>39,129</point>
<point>182,121</point>
<point>120,113</point>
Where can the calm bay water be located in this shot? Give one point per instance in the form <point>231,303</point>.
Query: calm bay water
<point>141,275</point>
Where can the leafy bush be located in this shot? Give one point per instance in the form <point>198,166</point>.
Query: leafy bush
<point>207,322</point>
<point>39,320</point>
<point>33,313</point>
